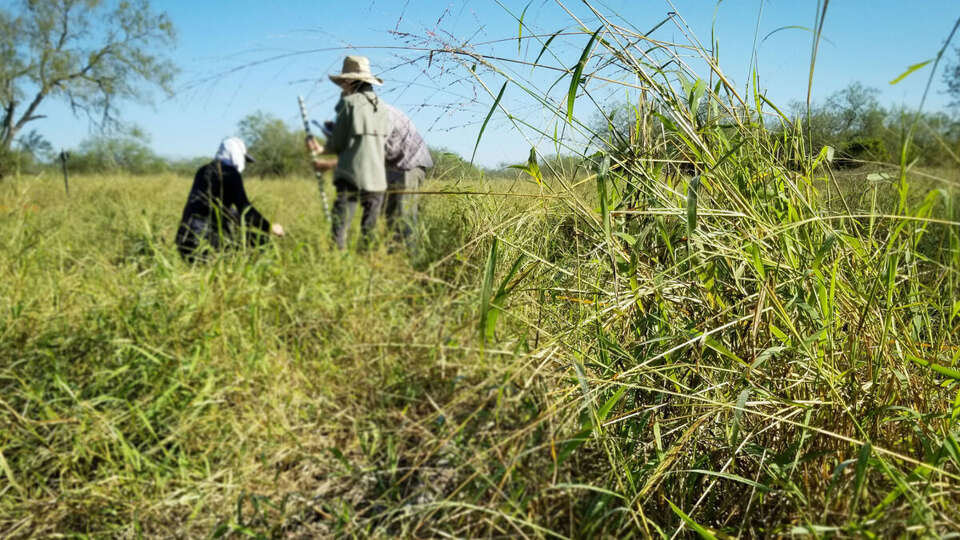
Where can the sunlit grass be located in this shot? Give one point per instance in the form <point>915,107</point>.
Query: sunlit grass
<point>703,331</point>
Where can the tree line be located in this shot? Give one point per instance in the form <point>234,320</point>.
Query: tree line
<point>852,121</point>
<point>278,148</point>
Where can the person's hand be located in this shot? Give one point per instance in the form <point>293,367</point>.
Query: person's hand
<point>313,146</point>
<point>277,229</point>
<point>321,165</point>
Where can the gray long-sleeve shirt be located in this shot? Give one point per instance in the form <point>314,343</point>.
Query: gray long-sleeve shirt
<point>405,149</point>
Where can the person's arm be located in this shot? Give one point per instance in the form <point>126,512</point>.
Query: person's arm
<point>235,195</point>
<point>341,129</point>
<point>316,150</point>
<point>338,134</point>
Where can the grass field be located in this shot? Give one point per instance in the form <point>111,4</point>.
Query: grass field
<point>508,379</point>
<point>701,330</point>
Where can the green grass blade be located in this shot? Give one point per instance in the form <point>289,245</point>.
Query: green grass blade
<point>692,206</point>
<point>545,46</point>
<point>910,70</point>
<point>820,20</point>
<point>732,477</point>
<point>937,368</point>
<point>486,120</point>
<point>496,305</point>
<point>577,72</point>
<point>700,529</point>
<point>605,409</point>
<point>520,27</point>
<point>863,462</point>
<point>602,196</point>
<point>487,288</point>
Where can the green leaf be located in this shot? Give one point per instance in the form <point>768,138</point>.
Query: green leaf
<point>863,460</point>
<point>588,487</point>
<point>942,370</point>
<point>531,167</point>
<point>487,288</point>
<point>602,195</point>
<point>545,45</point>
<point>700,529</point>
<point>692,206</point>
<point>496,305</point>
<point>608,406</point>
<point>695,96</point>
<point>754,250</point>
<point>487,119</point>
<point>782,28</point>
<point>8,472</point>
<point>825,152</point>
<point>761,487</point>
<point>574,443</point>
<point>338,455</point>
<point>910,70</point>
<point>628,238</point>
<point>577,72</point>
<point>824,249</point>
<point>520,29</point>
<point>720,348</point>
<point>956,408</point>
<point>220,531</point>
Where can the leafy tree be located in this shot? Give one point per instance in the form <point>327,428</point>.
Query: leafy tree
<point>187,166</point>
<point>951,77</point>
<point>852,121</point>
<point>124,152</point>
<point>36,145</point>
<point>448,165</point>
<point>856,111</point>
<point>279,151</point>
<point>90,53</point>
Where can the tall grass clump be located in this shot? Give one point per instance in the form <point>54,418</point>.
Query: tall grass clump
<point>700,329</point>
<point>709,333</point>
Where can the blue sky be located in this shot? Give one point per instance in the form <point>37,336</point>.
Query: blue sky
<point>294,44</point>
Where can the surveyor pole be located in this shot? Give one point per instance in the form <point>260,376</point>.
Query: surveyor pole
<point>63,163</point>
<point>314,156</point>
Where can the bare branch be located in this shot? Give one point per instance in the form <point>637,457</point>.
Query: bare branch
<point>51,51</point>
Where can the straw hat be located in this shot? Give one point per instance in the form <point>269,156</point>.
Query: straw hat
<point>356,68</point>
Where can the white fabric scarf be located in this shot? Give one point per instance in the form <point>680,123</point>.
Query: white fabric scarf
<point>233,152</point>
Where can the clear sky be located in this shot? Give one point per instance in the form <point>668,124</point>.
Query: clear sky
<point>241,56</point>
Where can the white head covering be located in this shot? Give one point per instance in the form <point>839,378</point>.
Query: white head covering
<point>233,152</point>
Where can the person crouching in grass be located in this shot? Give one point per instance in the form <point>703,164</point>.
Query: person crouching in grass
<point>217,208</point>
<point>357,137</point>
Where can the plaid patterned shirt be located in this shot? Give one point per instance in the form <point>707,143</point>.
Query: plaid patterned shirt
<point>405,148</point>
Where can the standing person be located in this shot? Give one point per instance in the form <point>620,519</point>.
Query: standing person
<point>217,206</point>
<point>407,161</point>
<point>357,136</point>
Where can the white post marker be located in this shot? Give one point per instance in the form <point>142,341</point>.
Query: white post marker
<point>313,155</point>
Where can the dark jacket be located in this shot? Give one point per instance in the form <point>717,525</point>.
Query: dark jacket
<point>216,209</point>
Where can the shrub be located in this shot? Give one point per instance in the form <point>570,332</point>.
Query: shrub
<point>279,151</point>
<point>862,149</point>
